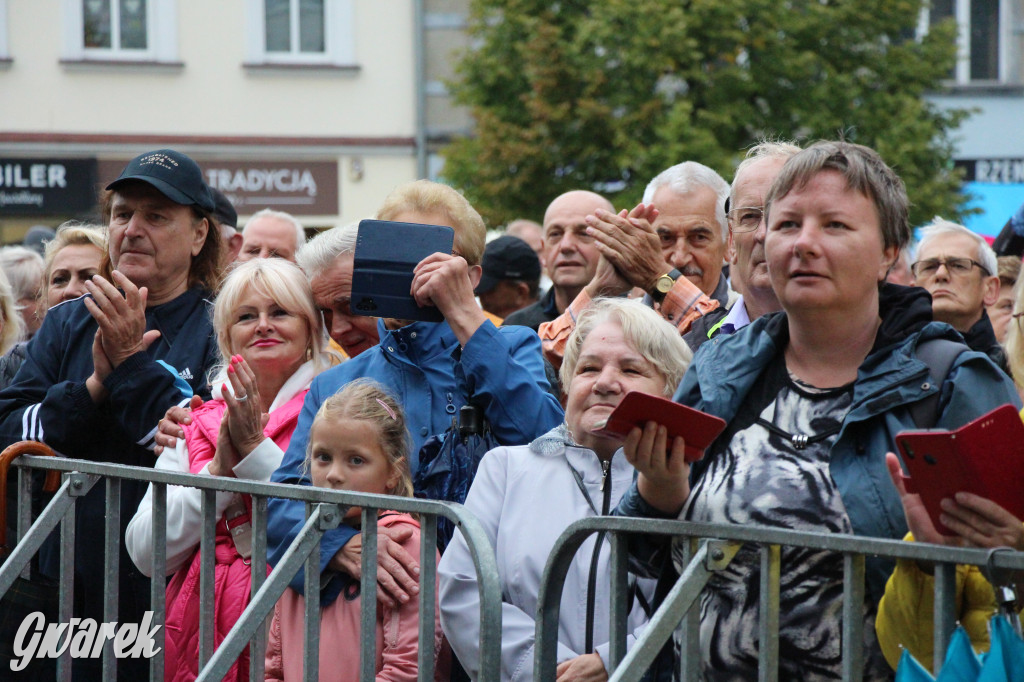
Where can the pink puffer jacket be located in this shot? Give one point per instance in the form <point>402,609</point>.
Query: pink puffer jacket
<point>232,576</point>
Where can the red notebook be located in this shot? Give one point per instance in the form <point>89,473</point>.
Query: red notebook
<point>984,457</point>
<point>698,429</point>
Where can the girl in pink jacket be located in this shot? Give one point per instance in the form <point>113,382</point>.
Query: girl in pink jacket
<point>358,442</point>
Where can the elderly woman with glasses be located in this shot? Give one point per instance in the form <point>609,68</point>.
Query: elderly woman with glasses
<point>813,397</point>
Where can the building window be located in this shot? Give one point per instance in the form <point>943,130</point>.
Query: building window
<point>112,30</point>
<point>115,25</point>
<point>984,39</point>
<point>301,32</point>
<point>295,26</point>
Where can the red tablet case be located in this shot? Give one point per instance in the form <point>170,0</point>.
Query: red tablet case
<point>697,428</point>
<point>983,457</point>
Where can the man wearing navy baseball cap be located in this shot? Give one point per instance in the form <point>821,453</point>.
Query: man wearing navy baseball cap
<point>103,369</point>
<point>176,176</point>
<point>511,276</point>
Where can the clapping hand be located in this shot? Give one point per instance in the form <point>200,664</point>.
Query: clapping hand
<point>242,426</point>
<point>121,318</point>
<point>169,429</point>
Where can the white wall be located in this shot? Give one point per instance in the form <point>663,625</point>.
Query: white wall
<point>994,131</point>
<point>212,94</point>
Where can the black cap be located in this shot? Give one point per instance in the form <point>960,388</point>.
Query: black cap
<point>223,210</point>
<point>507,257</point>
<point>36,238</point>
<point>176,176</point>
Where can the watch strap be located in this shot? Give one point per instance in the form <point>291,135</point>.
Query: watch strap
<point>672,274</point>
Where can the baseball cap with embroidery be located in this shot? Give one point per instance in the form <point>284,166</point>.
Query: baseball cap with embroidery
<point>175,175</point>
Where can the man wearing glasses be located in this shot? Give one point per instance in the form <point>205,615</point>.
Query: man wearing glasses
<point>745,252</point>
<point>958,268</point>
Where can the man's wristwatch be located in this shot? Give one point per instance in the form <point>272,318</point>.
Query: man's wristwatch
<point>664,284</point>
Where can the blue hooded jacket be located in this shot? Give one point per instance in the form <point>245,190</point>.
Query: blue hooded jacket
<point>889,380</point>
<point>424,367</point>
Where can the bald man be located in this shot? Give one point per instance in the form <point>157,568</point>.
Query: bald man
<point>569,254</point>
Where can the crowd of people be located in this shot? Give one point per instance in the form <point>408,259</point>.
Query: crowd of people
<point>790,304</point>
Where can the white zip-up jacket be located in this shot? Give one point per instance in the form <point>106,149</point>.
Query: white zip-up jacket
<point>525,497</point>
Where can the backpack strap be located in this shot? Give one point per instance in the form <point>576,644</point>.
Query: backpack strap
<point>939,355</point>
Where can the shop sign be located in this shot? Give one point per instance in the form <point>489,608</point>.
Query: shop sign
<point>298,187</point>
<point>1006,171</point>
<point>30,187</point>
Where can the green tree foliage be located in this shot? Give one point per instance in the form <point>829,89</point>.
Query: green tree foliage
<point>604,94</point>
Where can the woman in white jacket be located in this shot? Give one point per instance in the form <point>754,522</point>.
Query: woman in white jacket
<point>526,496</point>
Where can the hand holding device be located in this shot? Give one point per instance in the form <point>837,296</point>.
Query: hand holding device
<point>386,254</point>
<point>697,428</point>
<point>982,458</point>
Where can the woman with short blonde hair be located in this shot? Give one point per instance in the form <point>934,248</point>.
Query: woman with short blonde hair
<point>432,198</point>
<point>272,345</point>
<point>525,496</point>
<point>65,272</point>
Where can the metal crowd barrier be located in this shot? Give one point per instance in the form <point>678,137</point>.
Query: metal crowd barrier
<point>710,547</point>
<point>324,510</point>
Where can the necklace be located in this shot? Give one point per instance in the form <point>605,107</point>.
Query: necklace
<point>799,440</point>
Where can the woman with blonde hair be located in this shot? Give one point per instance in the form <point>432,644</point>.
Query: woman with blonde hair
<point>526,495</point>
<point>71,258</point>
<point>272,344</point>
<point>11,325</point>
<point>24,270</point>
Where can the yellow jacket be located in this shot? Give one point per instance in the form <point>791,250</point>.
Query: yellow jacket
<point>906,613</point>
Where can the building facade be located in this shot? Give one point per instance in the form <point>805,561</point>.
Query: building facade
<point>444,38</point>
<point>307,106</point>
<point>989,79</point>
<point>321,107</point>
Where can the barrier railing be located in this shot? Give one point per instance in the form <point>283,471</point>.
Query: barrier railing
<point>708,548</point>
<point>325,510</point>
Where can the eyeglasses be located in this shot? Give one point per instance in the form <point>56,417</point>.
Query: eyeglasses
<point>954,266</point>
<point>746,218</point>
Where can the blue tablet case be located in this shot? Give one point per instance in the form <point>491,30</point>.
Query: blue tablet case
<point>386,253</point>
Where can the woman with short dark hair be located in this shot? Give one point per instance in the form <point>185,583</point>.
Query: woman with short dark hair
<point>813,397</point>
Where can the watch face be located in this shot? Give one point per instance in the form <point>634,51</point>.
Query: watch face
<point>665,284</point>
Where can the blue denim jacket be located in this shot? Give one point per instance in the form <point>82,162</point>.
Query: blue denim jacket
<point>890,379</point>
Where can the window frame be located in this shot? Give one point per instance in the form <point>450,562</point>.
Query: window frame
<point>962,69</point>
<point>162,44</point>
<point>339,37</point>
